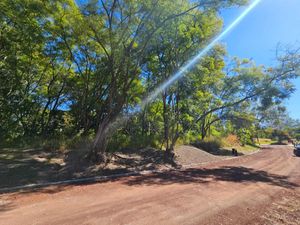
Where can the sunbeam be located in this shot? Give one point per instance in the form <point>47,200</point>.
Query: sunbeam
<point>185,68</point>
<point>193,61</point>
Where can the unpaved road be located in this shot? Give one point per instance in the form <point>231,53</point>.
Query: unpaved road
<point>234,191</point>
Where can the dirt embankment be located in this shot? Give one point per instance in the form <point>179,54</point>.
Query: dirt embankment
<point>189,155</point>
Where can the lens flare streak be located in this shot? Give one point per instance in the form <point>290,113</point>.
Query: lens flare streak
<point>182,71</point>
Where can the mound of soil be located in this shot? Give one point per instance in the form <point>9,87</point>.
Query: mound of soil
<point>186,155</point>
<point>129,160</point>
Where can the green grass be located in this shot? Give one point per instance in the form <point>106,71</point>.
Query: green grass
<point>266,141</point>
<point>247,149</point>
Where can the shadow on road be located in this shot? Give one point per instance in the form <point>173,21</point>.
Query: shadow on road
<point>187,176</point>
<point>226,173</point>
<point>5,206</point>
<point>17,169</point>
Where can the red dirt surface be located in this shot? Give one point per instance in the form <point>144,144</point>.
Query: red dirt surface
<point>235,191</point>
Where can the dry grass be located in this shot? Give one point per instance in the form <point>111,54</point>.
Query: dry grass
<point>265,141</point>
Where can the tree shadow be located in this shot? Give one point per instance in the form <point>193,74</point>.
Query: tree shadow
<point>233,174</point>
<point>225,152</point>
<point>19,168</point>
<point>143,158</point>
<point>215,149</point>
<point>227,173</point>
<point>25,166</point>
<point>5,205</point>
<point>278,143</point>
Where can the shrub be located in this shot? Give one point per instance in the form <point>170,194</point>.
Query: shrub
<point>231,140</point>
<point>209,144</point>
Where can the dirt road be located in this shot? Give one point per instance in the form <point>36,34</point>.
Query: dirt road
<point>236,191</point>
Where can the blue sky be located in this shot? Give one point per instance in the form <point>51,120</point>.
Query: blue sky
<point>256,37</point>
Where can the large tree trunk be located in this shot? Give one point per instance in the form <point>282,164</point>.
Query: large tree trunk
<point>174,132</point>
<point>203,131</point>
<point>166,121</point>
<point>99,146</point>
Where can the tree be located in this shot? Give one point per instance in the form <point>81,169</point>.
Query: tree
<point>34,73</point>
<point>167,52</point>
<point>126,29</point>
<point>72,69</point>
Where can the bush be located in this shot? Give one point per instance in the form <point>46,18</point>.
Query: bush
<point>231,140</point>
<point>122,140</point>
<point>210,144</point>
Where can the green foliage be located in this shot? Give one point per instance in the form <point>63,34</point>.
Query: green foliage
<point>68,71</point>
<point>210,144</point>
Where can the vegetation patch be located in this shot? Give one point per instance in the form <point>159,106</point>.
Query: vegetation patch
<point>74,71</point>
